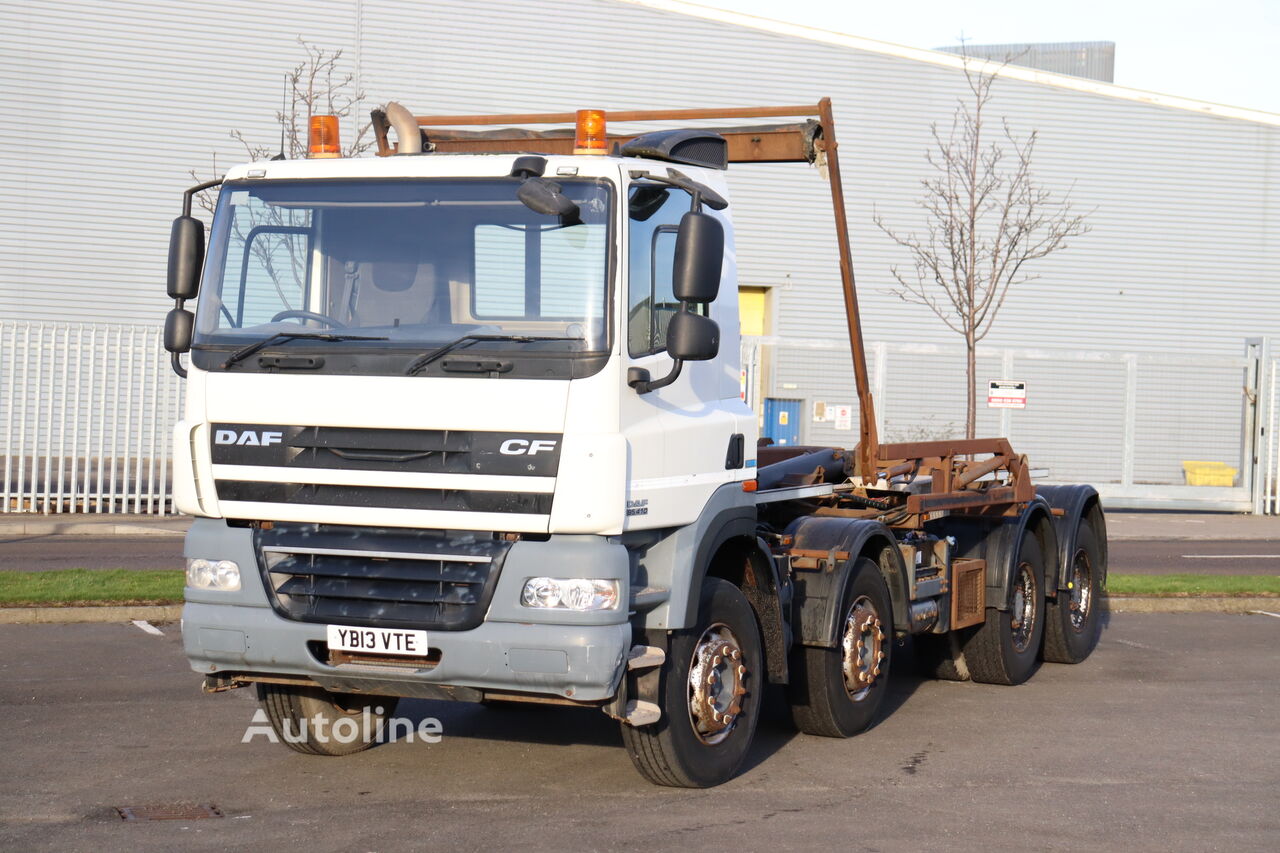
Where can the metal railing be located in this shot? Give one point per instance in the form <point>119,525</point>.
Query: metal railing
<point>87,417</point>
<point>87,413</point>
<point>1125,422</point>
<point>1267,441</point>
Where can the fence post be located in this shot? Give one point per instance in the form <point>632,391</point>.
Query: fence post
<point>1130,417</point>
<point>881,350</point>
<point>1006,415</point>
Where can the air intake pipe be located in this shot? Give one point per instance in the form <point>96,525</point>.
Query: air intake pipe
<point>408,136</point>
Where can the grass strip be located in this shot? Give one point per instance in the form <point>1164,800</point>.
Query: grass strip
<point>76,587</point>
<point>1187,586</point>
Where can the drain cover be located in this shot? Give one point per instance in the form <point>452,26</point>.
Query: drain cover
<point>169,811</point>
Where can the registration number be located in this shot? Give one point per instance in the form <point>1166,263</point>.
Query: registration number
<point>381,641</point>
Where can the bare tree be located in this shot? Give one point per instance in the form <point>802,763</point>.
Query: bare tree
<point>986,220</point>
<point>316,85</point>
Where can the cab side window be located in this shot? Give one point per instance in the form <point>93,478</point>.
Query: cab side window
<point>654,219</point>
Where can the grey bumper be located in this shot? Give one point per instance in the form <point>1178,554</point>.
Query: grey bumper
<point>580,662</point>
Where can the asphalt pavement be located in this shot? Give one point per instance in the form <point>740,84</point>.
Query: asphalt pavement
<point>1197,557</point>
<point>39,553</point>
<point>1168,738</point>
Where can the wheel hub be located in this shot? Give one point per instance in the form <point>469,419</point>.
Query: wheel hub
<point>717,675</point>
<point>1081,590</point>
<point>1023,611</point>
<point>863,647</point>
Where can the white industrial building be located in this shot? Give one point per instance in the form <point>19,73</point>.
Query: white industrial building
<point>1132,342</point>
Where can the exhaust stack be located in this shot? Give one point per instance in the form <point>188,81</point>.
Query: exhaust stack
<point>408,136</point>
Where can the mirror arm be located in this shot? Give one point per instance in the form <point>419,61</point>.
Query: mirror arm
<point>187,196</point>
<point>638,378</point>
<point>176,364</point>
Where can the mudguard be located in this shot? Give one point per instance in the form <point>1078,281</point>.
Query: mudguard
<point>999,544</point>
<point>815,612</point>
<point>1076,502</point>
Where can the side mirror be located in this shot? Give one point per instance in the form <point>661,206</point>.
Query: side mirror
<point>186,254</point>
<point>178,324</point>
<point>699,258</point>
<point>545,197</point>
<point>692,337</point>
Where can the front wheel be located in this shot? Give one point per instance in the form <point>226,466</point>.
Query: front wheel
<point>710,688</point>
<point>314,721</point>
<point>837,692</point>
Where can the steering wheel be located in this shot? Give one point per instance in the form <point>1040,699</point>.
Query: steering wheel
<point>309,315</point>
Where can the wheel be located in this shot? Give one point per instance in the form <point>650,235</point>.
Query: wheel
<point>710,686</point>
<point>1004,650</point>
<point>837,692</point>
<point>940,656</point>
<point>1073,622</point>
<point>308,315</point>
<point>314,721</point>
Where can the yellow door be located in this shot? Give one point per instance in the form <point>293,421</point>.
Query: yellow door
<point>751,302</point>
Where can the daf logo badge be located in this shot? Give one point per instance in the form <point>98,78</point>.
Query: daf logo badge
<point>247,438</point>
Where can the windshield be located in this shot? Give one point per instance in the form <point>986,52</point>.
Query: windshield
<point>418,263</point>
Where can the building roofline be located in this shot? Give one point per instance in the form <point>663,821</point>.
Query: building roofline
<point>951,60</point>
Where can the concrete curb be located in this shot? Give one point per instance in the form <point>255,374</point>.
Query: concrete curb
<point>93,528</point>
<point>1202,604</point>
<point>53,615</point>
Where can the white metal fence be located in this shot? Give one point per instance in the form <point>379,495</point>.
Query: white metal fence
<point>1133,424</point>
<point>87,414</point>
<point>1267,433</point>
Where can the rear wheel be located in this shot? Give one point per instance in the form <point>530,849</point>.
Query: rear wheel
<point>1004,650</point>
<point>314,721</point>
<point>837,692</point>
<point>710,686</point>
<point>1073,621</point>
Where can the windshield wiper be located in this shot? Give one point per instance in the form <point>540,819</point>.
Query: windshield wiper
<point>426,358</point>
<point>245,352</point>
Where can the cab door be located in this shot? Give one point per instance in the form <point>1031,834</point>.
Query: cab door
<point>695,418</point>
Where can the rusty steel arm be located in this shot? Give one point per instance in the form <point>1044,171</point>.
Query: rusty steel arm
<point>795,143</point>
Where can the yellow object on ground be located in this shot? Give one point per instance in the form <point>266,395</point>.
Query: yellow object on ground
<point>1206,473</point>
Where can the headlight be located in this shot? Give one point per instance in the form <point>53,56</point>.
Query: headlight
<point>570,594</point>
<point>221,575</point>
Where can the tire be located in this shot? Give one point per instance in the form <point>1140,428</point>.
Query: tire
<point>689,747</point>
<point>838,692</point>
<point>1074,621</point>
<point>293,710</point>
<point>1004,650</point>
<point>941,656</point>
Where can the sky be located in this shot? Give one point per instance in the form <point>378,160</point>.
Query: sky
<point>1226,51</point>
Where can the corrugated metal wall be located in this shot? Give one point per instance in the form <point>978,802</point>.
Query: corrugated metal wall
<point>110,105</point>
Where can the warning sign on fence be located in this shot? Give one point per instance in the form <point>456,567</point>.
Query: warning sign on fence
<point>1006,394</point>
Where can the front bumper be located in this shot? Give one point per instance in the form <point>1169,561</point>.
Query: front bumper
<point>579,662</point>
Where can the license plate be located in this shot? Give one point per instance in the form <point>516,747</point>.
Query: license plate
<point>378,641</point>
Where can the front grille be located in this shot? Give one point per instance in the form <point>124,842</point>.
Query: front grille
<point>393,579</point>
<point>424,451</point>
<point>385,497</point>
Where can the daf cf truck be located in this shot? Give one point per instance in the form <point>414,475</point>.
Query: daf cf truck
<point>463,422</point>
